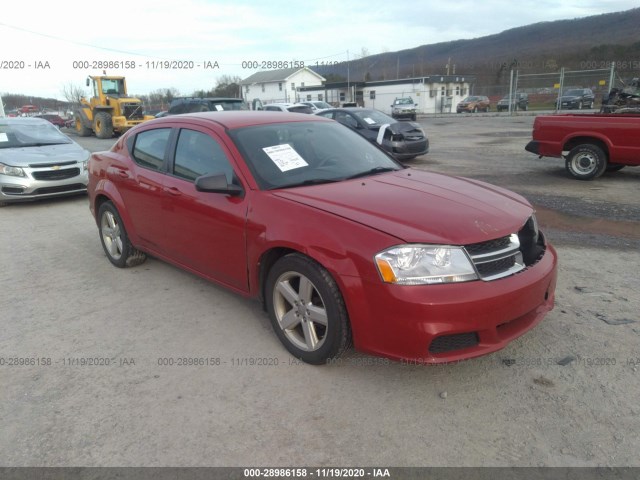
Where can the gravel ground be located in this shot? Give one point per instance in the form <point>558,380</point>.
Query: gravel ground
<point>564,394</point>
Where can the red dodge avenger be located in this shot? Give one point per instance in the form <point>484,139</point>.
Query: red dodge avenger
<point>341,243</point>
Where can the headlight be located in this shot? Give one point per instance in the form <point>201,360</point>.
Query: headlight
<point>424,264</point>
<point>12,171</point>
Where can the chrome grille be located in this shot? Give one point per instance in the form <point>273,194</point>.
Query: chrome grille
<point>507,255</point>
<point>497,258</point>
<point>56,174</point>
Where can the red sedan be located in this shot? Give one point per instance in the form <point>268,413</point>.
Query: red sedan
<point>341,242</point>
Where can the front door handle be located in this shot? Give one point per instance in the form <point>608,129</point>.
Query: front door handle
<point>172,191</point>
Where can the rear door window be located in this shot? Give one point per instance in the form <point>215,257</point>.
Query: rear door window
<point>150,147</point>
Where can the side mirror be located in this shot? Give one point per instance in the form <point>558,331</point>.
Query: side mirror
<point>217,183</point>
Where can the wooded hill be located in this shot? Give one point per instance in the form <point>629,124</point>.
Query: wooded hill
<point>583,43</point>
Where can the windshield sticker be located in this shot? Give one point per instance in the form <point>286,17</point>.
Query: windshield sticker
<point>369,121</point>
<point>4,137</point>
<point>285,157</point>
<point>219,108</point>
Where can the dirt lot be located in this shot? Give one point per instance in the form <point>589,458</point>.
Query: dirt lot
<point>565,394</point>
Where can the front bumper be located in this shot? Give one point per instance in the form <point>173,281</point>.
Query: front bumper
<point>404,114</point>
<point>21,189</point>
<point>446,323</point>
<point>407,149</point>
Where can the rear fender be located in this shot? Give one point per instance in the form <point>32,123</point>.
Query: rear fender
<point>106,191</point>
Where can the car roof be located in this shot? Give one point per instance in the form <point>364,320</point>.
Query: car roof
<point>276,104</point>
<point>351,109</point>
<point>237,119</point>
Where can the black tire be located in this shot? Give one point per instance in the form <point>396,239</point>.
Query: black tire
<point>312,298</point>
<point>613,167</point>
<point>103,125</point>
<point>115,240</point>
<point>81,130</point>
<point>586,161</point>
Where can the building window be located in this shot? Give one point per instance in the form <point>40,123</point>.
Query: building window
<point>458,90</point>
<point>280,86</point>
<point>443,90</point>
<point>263,88</point>
<point>342,96</point>
<point>308,98</point>
<point>293,86</point>
<point>320,97</point>
<point>372,95</point>
<point>247,88</point>
<point>302,84</point>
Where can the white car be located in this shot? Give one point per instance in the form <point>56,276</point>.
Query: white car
<point>317,106</point>
<point>287,107</point>
<point>37,161</point>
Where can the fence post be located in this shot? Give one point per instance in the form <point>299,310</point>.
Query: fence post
<point>558,100</point>
<point>612,74</point>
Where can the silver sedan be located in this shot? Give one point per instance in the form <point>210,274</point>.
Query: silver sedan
<point>38,161</point>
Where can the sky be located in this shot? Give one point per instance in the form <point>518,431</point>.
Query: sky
<point>48,45</point>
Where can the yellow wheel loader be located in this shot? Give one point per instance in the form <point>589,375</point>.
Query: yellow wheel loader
<point>110,110</point>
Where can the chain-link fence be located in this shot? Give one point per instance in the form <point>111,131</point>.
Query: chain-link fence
<point>559,91</point>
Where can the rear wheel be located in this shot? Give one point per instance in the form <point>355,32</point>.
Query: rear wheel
<point>307,310</point>
<point>586,161</point>
<point>115,241</point>
<point>103,125</point>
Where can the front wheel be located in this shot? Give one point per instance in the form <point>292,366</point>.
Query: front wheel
<point>307,310</point>
<point>115,240</point>
<point>586,162</point>
<point>103,125</point>
<point>81,130</point>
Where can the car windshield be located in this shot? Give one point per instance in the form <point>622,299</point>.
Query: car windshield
<point>322,105</point>
<point>404,101</point>
<point>573,93</point>
<point>17,135</point>
<point>373,117</point>
<point>285,155</point>
<point>471,99</point>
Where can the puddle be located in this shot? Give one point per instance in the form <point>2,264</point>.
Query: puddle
<point>573,223</point>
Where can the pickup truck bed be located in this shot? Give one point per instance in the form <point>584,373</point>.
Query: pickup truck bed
<point>590,143</point>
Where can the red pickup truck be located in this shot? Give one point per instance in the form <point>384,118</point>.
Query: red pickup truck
<point>590,144</point>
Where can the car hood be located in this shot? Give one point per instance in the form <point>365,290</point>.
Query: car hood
<point>46,154</point>
<point>416,206</point>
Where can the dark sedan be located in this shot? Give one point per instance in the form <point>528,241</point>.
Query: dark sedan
<point>577,98</point>
<point>403,140</point>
